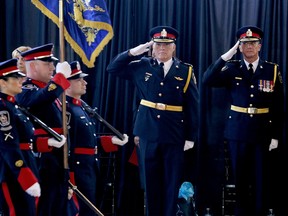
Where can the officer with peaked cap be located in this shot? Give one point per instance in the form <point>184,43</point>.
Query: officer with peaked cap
<point>254,124</point>
<point>19,174</point>
<point>249,33</point>
<point>167,118</point>
<point>83,160</point>
<point>40,95</point>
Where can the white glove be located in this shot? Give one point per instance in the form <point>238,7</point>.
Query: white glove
<point>228,55</point>
<point>53,142</point>
<point>64,68</point>
<point>136,140</point>
<point>142,48</point>
<point>117,141</point>
<point>70,193</point>
<point>34,190</point>
<point>273,144</point>
<point>188,145</point>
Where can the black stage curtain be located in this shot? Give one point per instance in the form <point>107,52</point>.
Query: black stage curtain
<point>207,30</point>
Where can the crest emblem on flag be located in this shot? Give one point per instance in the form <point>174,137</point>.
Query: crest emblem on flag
<point>87,25</point>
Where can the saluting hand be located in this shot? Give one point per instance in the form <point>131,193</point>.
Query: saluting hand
<point>63,68</point>
<point>228,55</point>
<point>142,48</point>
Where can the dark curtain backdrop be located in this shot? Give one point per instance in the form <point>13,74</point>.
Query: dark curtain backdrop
<point>207,30</point>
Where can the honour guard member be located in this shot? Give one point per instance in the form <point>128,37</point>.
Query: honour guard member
<point>19,174</point>
<point>167,117</point>
<point>40,96</point>
<point>83,157</point>
<point>254,125</point>
<point>17,54</point>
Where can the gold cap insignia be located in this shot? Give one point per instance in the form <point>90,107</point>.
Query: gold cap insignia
<point>51,87</point>
<point>19,163</point>
<point>163,33</point>
<point>249,33</point>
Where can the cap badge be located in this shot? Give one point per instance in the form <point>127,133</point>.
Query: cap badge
<point>163,33</point>
<point>249,33</point>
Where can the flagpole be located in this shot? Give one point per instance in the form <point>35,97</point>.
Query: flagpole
<point>62,58</point>
<point>64,120</point>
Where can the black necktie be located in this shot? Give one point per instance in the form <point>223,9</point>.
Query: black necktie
<point>161,69</point>
<point>251,69</point>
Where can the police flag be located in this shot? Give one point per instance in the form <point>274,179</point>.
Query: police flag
<point>87,25</point>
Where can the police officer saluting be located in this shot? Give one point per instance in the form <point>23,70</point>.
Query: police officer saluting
<point>167,117</point>
<point>254,124</point>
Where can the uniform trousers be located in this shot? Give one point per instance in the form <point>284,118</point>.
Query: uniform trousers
<point>249,172</point>
<point>163,171</point>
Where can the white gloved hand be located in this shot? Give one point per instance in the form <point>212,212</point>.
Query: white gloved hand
<point>273,144</point>
<point>136,140</point>
<point>70,193</point>
<point>142,48</point>
<point>117,141</point>
<point>34,190</point>
<point>53,142</point>
<point>188,145</point>
<point>64,68</point>
<point>228,55</point>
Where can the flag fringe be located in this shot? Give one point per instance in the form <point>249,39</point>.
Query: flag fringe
<point>93,24</point>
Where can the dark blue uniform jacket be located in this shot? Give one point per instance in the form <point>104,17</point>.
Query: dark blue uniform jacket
<point>263,90</point>
<point>151,123</point>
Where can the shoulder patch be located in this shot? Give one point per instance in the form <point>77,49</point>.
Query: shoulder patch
<point>4,119</point>
<point>52,87</point>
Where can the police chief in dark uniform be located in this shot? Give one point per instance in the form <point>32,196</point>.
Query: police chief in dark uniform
<point>254,125</point>
<point>83,157</point>
<point>40,96</point>
<point>167,117</point>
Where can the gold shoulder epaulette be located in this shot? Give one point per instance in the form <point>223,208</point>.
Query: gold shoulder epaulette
<point>188,64</point>
<point>271,63</point>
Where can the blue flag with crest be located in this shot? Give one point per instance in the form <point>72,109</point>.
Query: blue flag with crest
<point>87,25</point>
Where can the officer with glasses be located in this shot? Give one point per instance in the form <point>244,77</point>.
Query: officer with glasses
<point>254,122</point>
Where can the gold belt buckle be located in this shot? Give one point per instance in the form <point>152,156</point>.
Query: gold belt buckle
<point>252,110</point>
<point>160,106</point>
